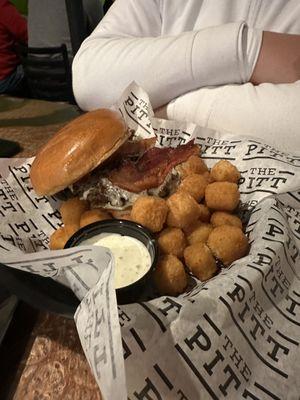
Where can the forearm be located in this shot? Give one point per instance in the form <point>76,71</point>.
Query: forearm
<point>165,67</point>
<point>269,112</point>
<point>278,60</point>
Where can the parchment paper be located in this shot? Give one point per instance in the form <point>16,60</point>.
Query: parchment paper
<point>235,336</point>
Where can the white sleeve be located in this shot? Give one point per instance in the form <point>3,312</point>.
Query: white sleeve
<point>127,45</point>
<point>267,111</point>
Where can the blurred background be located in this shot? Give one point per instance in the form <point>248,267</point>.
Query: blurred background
<point>38,41</point>
<point>21,6</point>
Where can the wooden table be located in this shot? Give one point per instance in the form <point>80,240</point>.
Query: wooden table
<point>51,364</point>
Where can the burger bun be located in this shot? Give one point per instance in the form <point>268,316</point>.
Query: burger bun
<point>77,149</point>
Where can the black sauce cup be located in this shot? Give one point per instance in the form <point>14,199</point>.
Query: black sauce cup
<point>132,292</point>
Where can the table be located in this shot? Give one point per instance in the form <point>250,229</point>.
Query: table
<point>44,358</point>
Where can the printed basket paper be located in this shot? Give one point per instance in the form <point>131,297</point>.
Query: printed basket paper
<point>235,336</point>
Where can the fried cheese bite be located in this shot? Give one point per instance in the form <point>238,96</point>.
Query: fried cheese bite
<point>204,217</point>
<point>204,213</point>
<point>121,214</point>
<point>193,165</point>
<point>219,218</point>
<point>224,171</point>
<point>207,176</point>
<point>94,215</point>
<point>199,233</point>
<point>222,196</point>
<point>183,210</point>
<point>195,185</point>
<point>172,241</point>
<point>71,211</point>
<point>170,276</point>
<point>228,243</point>
<point>58,239</point>
<point>150,211</point>
<point>200,261</point>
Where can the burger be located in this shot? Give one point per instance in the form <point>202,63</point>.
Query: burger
<point>96,157</point>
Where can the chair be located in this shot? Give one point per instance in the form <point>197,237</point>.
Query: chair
<point>78,21</point>
<point>107,5</point>
<point>77,26</point>
<point>48,73</point>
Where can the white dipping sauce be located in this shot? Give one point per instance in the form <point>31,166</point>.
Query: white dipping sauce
<point>132,259</point>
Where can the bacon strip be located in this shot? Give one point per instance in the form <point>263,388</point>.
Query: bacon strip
<point>136,147</point>
<point>151,170</point>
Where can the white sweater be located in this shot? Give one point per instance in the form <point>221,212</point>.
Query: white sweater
<point>196,55</point>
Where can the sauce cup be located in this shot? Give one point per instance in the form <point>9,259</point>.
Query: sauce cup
<point>132,291</point>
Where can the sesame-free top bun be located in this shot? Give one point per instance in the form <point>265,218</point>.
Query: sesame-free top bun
<point>76,149</point>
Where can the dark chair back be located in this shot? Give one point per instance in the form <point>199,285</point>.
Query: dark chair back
<point>107,5</point>
<point>77,25</point>
<point>48,73</point>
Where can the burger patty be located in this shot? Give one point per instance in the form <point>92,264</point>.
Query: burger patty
<point>126,176</point>
<point>101,193</point>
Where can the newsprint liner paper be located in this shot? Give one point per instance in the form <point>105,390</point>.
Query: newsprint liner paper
<point>236,336</point>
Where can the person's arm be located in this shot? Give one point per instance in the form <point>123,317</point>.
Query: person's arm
<point>270,112</point>
<point>14,23</point>
<point>127,45</point>
<point>278,60</point>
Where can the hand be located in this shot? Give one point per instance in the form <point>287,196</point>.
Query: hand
<point>278,60</point>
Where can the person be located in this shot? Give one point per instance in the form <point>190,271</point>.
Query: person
<point>226,65</point>
<point>21,6</point>
<point>13,30</point>
<point>48,22</point>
